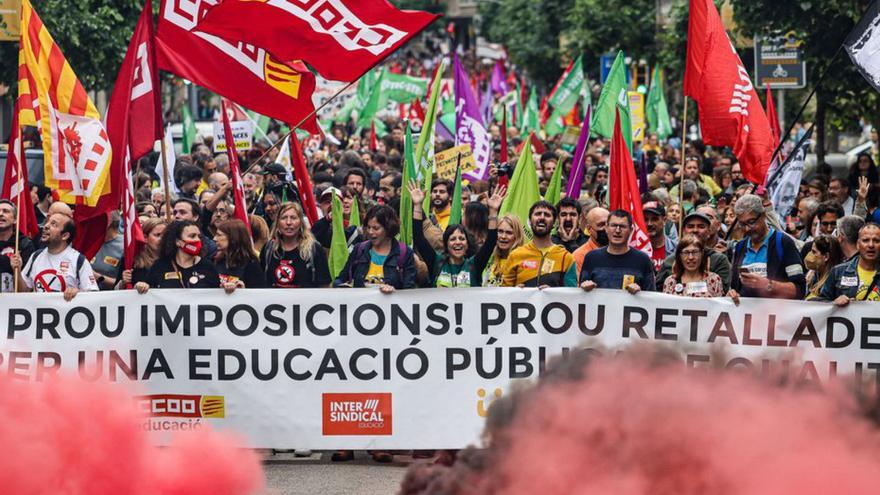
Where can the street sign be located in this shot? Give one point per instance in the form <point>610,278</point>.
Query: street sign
<point>779,62</point>
<point>605,63</point>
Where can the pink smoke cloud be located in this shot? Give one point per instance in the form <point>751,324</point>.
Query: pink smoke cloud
<point>67,436</point>
<point>624,427</point>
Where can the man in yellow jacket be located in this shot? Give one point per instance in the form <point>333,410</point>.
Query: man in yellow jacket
<point>540,263</point>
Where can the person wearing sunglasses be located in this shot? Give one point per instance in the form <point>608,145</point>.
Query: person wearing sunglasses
<point>766,263</point>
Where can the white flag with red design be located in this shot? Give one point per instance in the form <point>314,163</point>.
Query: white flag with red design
<point>623,190</point>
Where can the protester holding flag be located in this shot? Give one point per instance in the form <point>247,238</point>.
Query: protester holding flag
<point>461,262</point>
<point>618,266</point>
<point>8,234</point>
<point>380,261</point>
<point>236,261</point>
<point>48,269</point>
<point>153,229</point>
<point>293,258</point>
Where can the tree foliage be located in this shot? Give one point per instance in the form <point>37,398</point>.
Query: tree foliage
<point>92,34</point>
<point>598,27</point>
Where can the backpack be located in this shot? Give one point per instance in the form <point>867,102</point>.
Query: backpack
<point>777,241</point>
<point>362,248</point>
<point>80,261</point>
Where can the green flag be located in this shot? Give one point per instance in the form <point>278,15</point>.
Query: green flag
<point>448,121</point>
<point>376,102</point>
<point>406,204</point>
<point>354,218</point>
<point>455,209</point>
<point>656,111</point>
<point>522,191</point>
<point>519,108</point>
<point>402,88</point>
<point>569,88</point>
<point>613,97</point>
<point>189,129</point>
<point>555,124</point>
<point>424,154</point>
<point>554,189</point>
<point>338,245</point>
<point>505,101</point>
<point>532,117</point>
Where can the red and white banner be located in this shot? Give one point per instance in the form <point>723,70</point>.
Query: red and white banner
<point>341,39</point>
<point>234,168</point>
<point>237,70</point>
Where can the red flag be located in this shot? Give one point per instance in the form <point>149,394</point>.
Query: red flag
<point>730,111</point>
<point>341,39</point>
<point>240,209</point>
<point>544,112</point>
<point>235,113</point>
<point>416,114</point>
<point>134,123</point>
<point>236,70</point>
<point>775,131</point>
<point>303,182</point>
<point>623,189</point>
<point>15,185</point>
<point>536,143</point>
<point>374,143</point>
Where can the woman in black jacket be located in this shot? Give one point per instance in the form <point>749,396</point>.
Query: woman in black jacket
<point>236,261</point>
<point>181,264</point>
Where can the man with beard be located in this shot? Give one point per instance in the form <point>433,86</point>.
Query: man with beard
<point>568,234</point>
<point>8,232</point>
<point>699,224</point>
<point>597,218</point>
<point>857,280</point>
<point>57,267</point>
<point>618,266</point>
<point>540,263</point>
<point>441,192</point>
<point>655,222</point>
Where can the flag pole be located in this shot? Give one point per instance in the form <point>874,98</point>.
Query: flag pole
<point>293,129</point>
<point>21,190</point>
<point>165,176</point>
<point>681,170</point>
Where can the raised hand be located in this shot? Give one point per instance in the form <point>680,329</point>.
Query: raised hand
<point>416,193</point>
<point>864,187</point>
<point>497,197</point>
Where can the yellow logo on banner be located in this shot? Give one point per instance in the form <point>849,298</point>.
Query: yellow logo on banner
<point>281,77</point>
<point>213,406</point>
<point>10,20</point>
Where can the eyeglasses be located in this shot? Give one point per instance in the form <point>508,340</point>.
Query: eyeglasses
<point>691,253</point>
<point>752,222</point>
<point>829,224</point>
<point>616,227</point>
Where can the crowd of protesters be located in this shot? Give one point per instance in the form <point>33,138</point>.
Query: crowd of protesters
<point>712,233</point>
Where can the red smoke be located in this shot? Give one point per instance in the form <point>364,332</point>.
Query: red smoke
<point>68,436</point>
<point>624,427</point>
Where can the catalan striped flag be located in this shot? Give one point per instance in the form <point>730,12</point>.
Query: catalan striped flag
<point>75,144</point>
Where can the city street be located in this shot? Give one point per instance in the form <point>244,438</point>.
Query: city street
<point>289,475</point>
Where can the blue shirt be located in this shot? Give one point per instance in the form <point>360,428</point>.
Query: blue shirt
<point>756,261</point>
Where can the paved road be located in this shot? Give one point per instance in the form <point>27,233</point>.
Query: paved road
<point>289,475</point>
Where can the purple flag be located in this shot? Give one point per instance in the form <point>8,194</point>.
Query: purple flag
<point>498,84</point>
<point>469,125</point>
<point>576,176</point>
<point>486,104</point>
<point>643,173</point>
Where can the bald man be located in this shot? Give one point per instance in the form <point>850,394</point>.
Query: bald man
<point>60,207</point>
<point>596,220</point>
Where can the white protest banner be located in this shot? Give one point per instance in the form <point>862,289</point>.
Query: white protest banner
<point>415,369</point>
<point>242,130</point>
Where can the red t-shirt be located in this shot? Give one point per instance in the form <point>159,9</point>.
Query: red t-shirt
<point>658,256</point>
